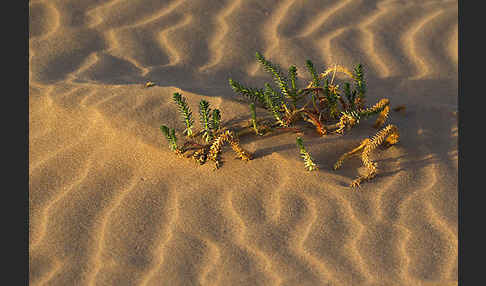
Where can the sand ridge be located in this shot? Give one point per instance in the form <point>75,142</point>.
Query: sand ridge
<point>109,204</point>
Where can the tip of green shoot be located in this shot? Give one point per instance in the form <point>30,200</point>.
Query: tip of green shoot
<point>299,142</point>
<point>165,130</point>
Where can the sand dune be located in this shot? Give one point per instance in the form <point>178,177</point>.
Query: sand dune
<point>109,204</point>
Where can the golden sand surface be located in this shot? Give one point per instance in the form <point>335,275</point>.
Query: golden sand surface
<point>110,204</point>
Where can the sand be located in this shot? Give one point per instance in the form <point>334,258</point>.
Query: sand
<point>110,204</point>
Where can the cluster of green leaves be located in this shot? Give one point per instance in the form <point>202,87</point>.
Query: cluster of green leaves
<point>350,96</point>
<point>360,82</point>
<point>204,119</point>
<point>253,118</point>
<point>269,98</point>
<point>332,100</point>
<point>216,120</point>
<point>171,137</point>
<point>285,101</point>
<point>273,102</point>
<point>293,79</point>
<point>315,77</point>
<point>253,94</point>
<point>185,111</point>
<point>278,102</point>
<point>210,121</point>
<point>280,79</point>
<point>309,164</point>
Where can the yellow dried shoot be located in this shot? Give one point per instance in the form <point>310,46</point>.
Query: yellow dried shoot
<point>392,139</point>
<point>218,143</point>
<point>384,106</point>
<point>377,140</point>
<point>388,135</point>
<point>346,120</point>
<point>339,162</point>
<point>242,153</point>
<point>179,152</point>
<point>335,69</point>
<point>349,119</point>
<point>380,121</point>
<point>201,155</point>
